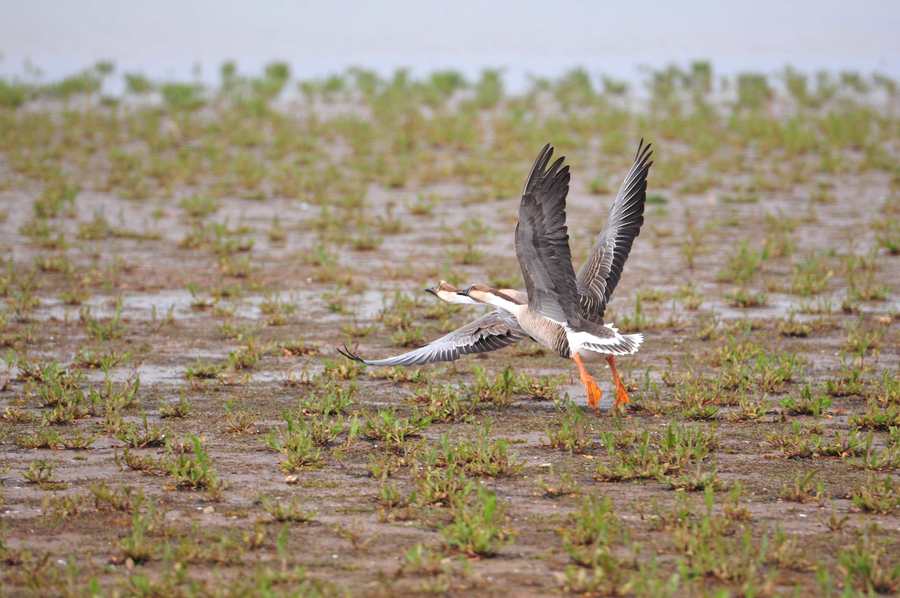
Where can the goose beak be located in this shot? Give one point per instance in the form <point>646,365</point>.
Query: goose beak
<point>432,291</point>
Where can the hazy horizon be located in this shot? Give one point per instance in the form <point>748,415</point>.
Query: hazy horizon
<point>168,39</point>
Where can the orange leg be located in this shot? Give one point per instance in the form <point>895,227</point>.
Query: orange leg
<point>590,385</point>
<point>621,393</point>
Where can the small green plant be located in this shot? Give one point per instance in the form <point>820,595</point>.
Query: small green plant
<point>807,403</point>
<point>179,409</point>
<point>104,330</point>
<point>877,495</point>
<point>476,528</point>
<point>391,429</point>
<point>804,488</point>
<point>199,206</point>
<point>329,399</point>
<point>298,445</point>
<point>742,265</point>
<point>572,432</point>
<point>136,546</point>
<point>877,417</point>
<point>479,457</point>
<point>868,567</point>
<point>237,420</point>
<point>286,511</point>
<point>201,370</point>
<point>40,471</point>
<point>193,470</point>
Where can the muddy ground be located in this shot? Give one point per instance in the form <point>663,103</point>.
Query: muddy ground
<point>227,340</point>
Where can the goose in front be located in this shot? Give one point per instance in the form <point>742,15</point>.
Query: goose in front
<point>559,310</point>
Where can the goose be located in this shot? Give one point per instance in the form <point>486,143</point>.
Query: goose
<point>559,310</point>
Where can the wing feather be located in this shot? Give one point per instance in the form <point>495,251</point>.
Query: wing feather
<point>542,240</point>
<point>598,277</point>
<point>490,332</point>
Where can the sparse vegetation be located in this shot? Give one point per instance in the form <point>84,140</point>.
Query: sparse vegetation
<point>186,256</point>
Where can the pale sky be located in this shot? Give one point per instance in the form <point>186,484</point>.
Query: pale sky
<point>164,38</point>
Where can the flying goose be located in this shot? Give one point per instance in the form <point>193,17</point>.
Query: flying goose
<point>559,310</point>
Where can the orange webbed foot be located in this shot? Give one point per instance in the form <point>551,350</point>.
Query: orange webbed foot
<point>594,394</point>
<point>621,393</point>
<point>621,396</point>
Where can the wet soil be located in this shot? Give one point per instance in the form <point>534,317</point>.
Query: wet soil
<point>354,543</point>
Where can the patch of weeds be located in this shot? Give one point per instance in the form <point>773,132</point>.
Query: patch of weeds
<point>40,472</point>
<point>343,370</point>
<point>868,567</point>
<point>801,442</point>
<point>864,286</point>
<point>745,298</point>
<point>384,464</point>
<point>142,463</point>
<point>476,528</point>
<point>675,448</point>
<point>237,420</point>
<point>51,439</point>
<point>695,481</point>
<point>564,486</point>
<point>698,397</point>
<point>875,459</point>
<point>125,499</point>
<point>811,276</point>
<point>193,470</point>
<point>423,205</point>
<point>791,327</point>
<point>177,410</point>
<point>298,445</point>
<point>95,360</point>
<point>804,488</point>
<point>104,330</point>
<point>479,457</point>
<point>806,403</point>
<point>445,403</point>
<point>392,429</point>
<point>246,357</point>
<point>848,382</point>
<point>286,511</point>
<point>594,529</point>
<point>328,398</point>
<point>145,436</point>
<point>861,341</point>
<point>712,549</point>
<point>199,206</point>
<point>637,320</point>
<point>442,486</point>
<point>60,508</point>
<point>136,546</point>
<point>573,430</point>
<point>742,264</point>
<point>203,370</point>
<point>276,310</point>
<point>501,389</point>
<point>422,560</point>
<point>877,417</point>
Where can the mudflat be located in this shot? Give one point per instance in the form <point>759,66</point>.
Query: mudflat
<point>180,264</point>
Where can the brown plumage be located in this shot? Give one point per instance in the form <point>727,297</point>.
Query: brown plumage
<point>559,310</point>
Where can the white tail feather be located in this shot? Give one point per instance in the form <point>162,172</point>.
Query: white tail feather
<point>618,344</point>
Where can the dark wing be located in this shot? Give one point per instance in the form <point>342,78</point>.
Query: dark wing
<point>490,332</point>
<point>598,277</point>
<point>542,241</point>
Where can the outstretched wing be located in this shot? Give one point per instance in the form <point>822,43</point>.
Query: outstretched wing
<point>542,240</point>
<point>598,277</point>
<point>490,332</point>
